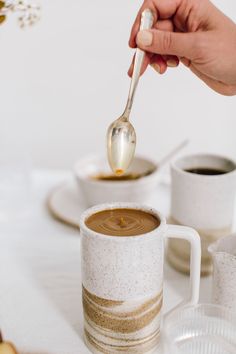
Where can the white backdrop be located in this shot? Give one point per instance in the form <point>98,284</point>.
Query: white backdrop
<point>63,82</point>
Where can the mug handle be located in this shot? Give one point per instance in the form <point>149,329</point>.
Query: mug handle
<point>189,234</point>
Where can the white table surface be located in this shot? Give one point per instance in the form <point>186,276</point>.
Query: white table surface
<point>41,251</point>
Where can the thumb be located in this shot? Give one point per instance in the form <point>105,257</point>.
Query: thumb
<point>164,42</point>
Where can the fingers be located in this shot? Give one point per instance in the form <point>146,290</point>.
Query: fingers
<point>164,25</point>
<point>185,61</point>
<point>146,62</point>
<point>171,60</point>
<point>146,5</point>
<point>167,25</point>
<point>171,43</point>
<point>163,9</point>
<point>158,64</point>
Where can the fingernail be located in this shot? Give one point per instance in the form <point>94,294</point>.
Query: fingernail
<point>171,63</point>
<point>156,67</point>
<point>185,61</point>
<point>144,38</point>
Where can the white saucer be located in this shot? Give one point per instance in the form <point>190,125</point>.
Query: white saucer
<point>65,202</point>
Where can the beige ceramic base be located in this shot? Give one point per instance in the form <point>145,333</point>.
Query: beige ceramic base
<point>93,350</point>
<point>178,251</point>
<point>182,264</point>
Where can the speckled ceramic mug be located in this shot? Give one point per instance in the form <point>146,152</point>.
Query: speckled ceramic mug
<point>122,280</point>
<point>204,202</point>
<point>95,191</point>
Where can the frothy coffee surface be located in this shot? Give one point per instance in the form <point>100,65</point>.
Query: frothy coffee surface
<point>122,222</point>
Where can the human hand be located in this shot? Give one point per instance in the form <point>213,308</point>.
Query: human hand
<point>194,32</point>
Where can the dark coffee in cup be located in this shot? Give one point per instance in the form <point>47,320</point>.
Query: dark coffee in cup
<point>206,171</point>
<point>203,191</point>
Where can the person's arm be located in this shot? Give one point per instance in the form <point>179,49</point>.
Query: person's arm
<point>194,32</point>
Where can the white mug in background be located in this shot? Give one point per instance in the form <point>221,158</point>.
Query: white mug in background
<point>92,175</point>
<point>202,201</point>
<point>122,278</point>
<point>223,253</point>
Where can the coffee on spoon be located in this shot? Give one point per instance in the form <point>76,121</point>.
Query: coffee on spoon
<point>134,175</point>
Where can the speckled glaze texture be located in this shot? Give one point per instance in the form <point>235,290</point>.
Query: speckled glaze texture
<point>205,203</point>
<point>122,288</point>
<point>224,271</point>
<point>122,284</point>
<point>96,192</point>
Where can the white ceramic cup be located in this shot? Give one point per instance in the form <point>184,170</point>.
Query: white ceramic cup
<point>99,191</point>
<point>122,281</point>
<point>204,202</point>
<point>223,253</point>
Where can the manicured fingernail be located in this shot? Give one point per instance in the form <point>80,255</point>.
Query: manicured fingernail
<point>156,67</point>
<point>144,38</point>
<point>185,61</point>
<point>171,63</point>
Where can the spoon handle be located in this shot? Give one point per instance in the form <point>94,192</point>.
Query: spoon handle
<point>171,154</point>
<point>146,23</point>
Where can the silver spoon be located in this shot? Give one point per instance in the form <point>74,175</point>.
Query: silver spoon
<point>121,137</point>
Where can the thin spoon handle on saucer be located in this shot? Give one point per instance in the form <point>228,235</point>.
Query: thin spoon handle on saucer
<point>171,154</point>
<point>146,23</point>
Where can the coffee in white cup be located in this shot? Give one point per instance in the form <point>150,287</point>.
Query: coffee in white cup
<point>97,184</point>
<point>203,197</point>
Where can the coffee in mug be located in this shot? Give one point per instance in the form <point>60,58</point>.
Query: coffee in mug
<point>122,222</point>
<point>125,177</point>
<point>206,171</point>
<point>122,276</point>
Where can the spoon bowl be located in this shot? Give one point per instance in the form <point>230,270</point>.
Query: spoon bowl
<point>121,139</point>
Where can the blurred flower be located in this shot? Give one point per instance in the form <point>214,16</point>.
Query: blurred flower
<point>28,12</point>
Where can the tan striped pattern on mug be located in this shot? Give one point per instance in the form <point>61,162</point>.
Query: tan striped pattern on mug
<point>121,326</point>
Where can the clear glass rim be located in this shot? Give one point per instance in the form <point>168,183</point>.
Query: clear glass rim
<point>216,309</point>
<point>175,321</point>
